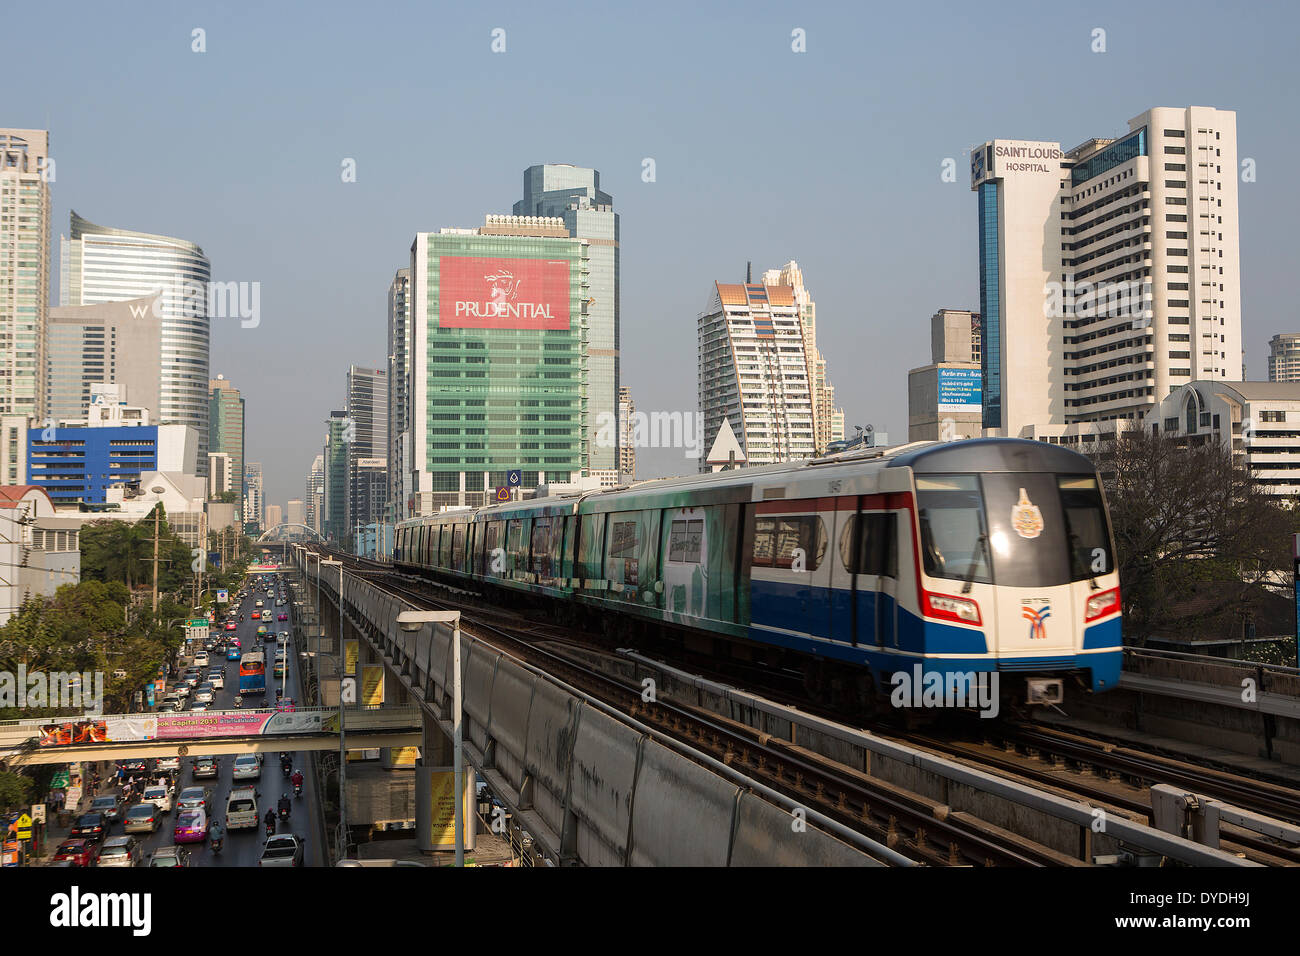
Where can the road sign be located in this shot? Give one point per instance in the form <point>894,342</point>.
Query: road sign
<point>514,477</point>
<point>60,779</point>
<point>24,827</point>
<point>38,812</point>
<point>223,596</point>
<point>503,493</point>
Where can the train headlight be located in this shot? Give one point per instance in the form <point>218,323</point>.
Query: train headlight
<point>951,608</point>
<point>1099,605</point>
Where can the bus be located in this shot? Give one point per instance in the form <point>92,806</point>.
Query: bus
<point>252,673</point>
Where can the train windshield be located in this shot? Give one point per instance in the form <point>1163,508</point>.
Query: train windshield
<point>1018,530</point>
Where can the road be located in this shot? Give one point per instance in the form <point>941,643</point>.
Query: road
<point>244,847</point>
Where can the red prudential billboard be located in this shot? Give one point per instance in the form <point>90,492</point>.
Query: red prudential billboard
<point>484,293</point>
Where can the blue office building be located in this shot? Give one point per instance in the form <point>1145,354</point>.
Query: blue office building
<point>77,465</point>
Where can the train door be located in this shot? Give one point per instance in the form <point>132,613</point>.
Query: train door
<point>686,583</point>
<point>841,525</point>
<point>872,543</point>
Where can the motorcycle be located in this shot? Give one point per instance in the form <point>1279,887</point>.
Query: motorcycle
<point>216,843</point>
<point>297,789</point>
<point>270,829</point>
<point>284,814</point>
<point>286,770</point>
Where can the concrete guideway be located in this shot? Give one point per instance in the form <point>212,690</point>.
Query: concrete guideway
<point>591,786</point>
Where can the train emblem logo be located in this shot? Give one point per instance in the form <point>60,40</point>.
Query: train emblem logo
<point>1036,611</point>
<point>1026,518</point>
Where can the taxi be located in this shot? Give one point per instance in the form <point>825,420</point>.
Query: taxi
<point>191,827</point>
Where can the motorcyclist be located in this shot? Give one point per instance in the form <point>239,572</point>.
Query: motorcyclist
<point>217,832</point>
<point>297,779</point>
<point>285,805</point>
<point>270,821</point>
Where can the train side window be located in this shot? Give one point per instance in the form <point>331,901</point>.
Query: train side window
<point>684,538</point>
<point>514,536</point>
<point>775,541</point>
<point>869,545</point>
<point>623,540</point>
<point>541,545</point>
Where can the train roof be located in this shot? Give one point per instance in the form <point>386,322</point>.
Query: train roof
<point>744,484</point>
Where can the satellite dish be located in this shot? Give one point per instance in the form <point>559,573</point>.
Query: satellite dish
<point>158,490</point>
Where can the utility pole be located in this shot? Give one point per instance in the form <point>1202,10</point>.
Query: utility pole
<point>157,515</point>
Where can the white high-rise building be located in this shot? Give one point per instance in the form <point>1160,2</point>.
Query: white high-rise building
<point>752,372</point>
<point>254,501</point>
<point>100,264</point>
<point>826,426</point>
<point>25,264</point>
<point>1109,273</point>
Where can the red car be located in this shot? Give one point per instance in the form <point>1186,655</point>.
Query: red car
<point>78,852</point>
<point>283,616</point>
<point>231,626</point>
<point>257,615</point>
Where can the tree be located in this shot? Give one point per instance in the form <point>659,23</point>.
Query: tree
<point>1192,529</point>
<point>15,791</point>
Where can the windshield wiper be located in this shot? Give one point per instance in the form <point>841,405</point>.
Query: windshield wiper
<point>981,544</point>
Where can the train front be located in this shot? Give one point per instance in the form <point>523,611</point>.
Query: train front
<point>1017,566</point>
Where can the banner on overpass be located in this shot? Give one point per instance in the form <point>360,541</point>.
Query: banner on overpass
<point>98,730</point>
<point>252,722</point>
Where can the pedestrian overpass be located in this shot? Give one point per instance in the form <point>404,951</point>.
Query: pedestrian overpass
<point>54,740</point>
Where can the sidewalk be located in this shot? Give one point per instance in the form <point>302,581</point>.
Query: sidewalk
<point>55,833</point>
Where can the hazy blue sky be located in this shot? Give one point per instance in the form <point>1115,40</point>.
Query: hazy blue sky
<point>831,157</point>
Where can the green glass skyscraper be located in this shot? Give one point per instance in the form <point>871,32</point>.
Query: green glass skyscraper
<point>499,374</point>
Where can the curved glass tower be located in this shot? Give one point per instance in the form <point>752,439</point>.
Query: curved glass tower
<point>100,264</point>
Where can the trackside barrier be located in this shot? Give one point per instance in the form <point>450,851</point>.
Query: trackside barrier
<point>593,786</point>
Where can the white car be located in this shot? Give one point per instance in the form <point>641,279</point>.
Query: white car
<point>198,707</point>
<point>247,767</point>
<point>159,797</point>
<point>201,659</point>
<point>217,679</point>
<point>260,603</point>
<point>168,764</point>
<point>203,695</point>
<point>182,691</point>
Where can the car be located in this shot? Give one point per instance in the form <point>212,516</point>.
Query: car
<point>282,850</point>
<point>256,616</point>
<point>233,653</point>
<point>206,768</point>
<point>182,692</point>
<point>204,694</point>
<point>278,669</point>
<point>247,767</point>
<point>77,851</point>
<point>110,805</point>
<point>231,626</point>
<point>286,705</point>
<point>120,851</point>
<point>198,707</point>
<point>170,856</point>
<point>168,765</point>
<point>217,679</point>
<point>201,659</point>
<point>170,699</point>
<point>166,708</point>
<point>282,616</point>
<point>91,826</point>
<point>191,827</point>
<point>133,765</point>
<point>284,637</point>
<point>159,796</point>
<point>195,798</point>
<point>262,603</point>
<point>144,817</point>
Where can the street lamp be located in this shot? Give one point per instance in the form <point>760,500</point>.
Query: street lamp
<point>411,621</point>
<point>343,752</point>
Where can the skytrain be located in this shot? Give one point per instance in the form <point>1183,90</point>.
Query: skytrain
<point>943,560</point>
